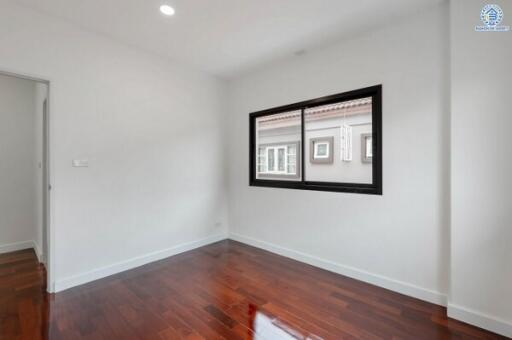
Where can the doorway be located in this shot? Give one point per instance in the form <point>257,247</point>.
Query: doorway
<point>25,167</point>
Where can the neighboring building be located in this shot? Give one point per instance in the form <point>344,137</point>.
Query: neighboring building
<point>338,144</point>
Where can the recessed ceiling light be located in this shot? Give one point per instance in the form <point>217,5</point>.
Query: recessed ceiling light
<point>167,10</point>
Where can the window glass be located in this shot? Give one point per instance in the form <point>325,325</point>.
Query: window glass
<point>369,147</point>
<point>281,159</point>
<point>278,140</point>
<point>292,159</point>
<point>271,160</point>
<point>262,160</point>
<point>332,134</point>
<point>321,150</point>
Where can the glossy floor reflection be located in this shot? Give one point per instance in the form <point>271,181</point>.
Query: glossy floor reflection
<point>223,291</point>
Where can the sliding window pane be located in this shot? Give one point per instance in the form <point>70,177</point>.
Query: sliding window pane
<point>278,140</point>
<point>338,142</point>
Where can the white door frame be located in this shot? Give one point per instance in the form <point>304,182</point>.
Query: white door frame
<point>50,236</point>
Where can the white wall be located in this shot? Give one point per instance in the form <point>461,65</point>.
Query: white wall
<point>398,240</point>
<point>151,130</point>
<point>481,237</point>
<point>17,163</point>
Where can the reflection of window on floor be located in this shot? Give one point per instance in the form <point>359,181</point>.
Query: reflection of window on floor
<point>277,159</point>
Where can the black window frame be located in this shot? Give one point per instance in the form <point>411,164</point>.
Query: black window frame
<point>375,188</point>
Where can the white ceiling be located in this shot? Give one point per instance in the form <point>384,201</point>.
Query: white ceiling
<point>228,37</point>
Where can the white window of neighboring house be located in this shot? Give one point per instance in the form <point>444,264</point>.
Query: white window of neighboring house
<point>277,159</point>
<point>291,160</point>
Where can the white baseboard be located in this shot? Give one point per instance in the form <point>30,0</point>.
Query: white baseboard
<point>358,274</point>
<point>7,248</point>
<point>481,320</point>
<point>135,262</point>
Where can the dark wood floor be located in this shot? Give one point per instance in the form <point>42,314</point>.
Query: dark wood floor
<point>223,291</point>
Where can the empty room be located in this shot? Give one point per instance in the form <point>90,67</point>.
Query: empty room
<point>241,169</point>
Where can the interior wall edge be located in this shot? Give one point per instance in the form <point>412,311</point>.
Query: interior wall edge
<point>99,273</point>
<point>481,320</point>
<point>401,287</point>
<point>38,250</point>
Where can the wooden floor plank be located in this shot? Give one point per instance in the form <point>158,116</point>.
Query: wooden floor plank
<point>225,290</point>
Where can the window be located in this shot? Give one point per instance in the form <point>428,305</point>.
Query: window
<point>277,160</point>
<point>322,150</point>
<point>366,146</point>
<point>278,146</point>
<point>314,144</point>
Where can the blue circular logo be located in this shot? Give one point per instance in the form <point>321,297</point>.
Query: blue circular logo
<point>491,15</point>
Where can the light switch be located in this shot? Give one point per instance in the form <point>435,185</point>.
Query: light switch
<point>80,163</point>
